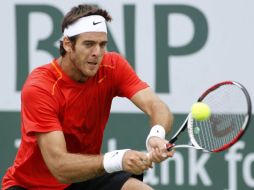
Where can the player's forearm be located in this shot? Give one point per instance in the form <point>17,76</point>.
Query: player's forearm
<point>161,115</point>
<point>72,168</point>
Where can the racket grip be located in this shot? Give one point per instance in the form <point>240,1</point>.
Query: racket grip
<point>170,146</point>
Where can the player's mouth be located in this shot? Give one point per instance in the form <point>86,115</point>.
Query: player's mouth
<point>92,63</point>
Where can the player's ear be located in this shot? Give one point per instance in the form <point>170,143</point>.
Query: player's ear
<point>67,44</point>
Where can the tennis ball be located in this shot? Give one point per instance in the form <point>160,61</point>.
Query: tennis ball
<point>200,111</point>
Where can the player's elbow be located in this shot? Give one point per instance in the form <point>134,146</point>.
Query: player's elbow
<point>58,171</point>
<point>62,179</point>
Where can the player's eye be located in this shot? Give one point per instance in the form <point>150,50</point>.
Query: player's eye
<point>88,44</point>
<point>103,45</point>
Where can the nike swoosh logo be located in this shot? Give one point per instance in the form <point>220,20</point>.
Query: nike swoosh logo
<point>94,23</point>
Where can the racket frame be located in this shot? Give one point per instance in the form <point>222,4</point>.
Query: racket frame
<point>188,123</point>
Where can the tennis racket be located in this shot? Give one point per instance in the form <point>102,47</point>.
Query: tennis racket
<point>230,106</point>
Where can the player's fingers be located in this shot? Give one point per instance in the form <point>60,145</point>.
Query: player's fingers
<point>141,163</point>
<point>147,161</point>
<point>162,154</point>
<point>170,149</point>
<point>154,155</point>
<point>158,156</point>
<point>163,151</point>
<point>171,152</point>
<point>139,166</point>
<point>136,162</point>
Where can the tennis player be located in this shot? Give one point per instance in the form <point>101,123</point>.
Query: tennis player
<point>65,107</point>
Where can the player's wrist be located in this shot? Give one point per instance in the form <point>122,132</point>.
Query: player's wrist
<point>113,161</point>
<point>156,131</point>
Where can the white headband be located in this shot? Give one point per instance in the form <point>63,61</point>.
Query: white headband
<point>93,23</point>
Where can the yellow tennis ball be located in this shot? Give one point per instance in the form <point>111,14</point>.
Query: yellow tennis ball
<point>200,111</point>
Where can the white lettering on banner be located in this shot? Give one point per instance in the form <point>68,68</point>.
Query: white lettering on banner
<point>249,180</point>
<point>197,168</point>
<point>179,170</point>
<point>232,157</point>
<point>151,177</point>
<point>112,144</point>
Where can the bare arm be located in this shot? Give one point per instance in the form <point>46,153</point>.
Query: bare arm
<point>153,106</point>
<point>159,114</point>
<point>67,167</point>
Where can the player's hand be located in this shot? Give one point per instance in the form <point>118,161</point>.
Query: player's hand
<point>136,162</point>
<point>158,151</point>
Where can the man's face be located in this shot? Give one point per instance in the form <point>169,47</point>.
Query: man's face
<point>88,52</point>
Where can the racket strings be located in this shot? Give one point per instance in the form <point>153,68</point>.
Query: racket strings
<point>229,110</point>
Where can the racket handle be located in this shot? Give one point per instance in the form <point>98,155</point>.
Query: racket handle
<point>170,146</point>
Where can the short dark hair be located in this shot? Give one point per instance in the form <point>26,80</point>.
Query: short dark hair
<point>76,13</point>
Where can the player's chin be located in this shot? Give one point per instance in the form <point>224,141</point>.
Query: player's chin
<point>90,72</point>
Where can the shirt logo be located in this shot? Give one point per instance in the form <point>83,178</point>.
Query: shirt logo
<point>95,23</point>
<point>116,153</point>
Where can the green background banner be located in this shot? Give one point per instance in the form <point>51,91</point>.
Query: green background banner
<point>189,169</point>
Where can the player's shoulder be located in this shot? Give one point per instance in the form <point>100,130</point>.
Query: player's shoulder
<point>113,59</point>
<point>42,77</point>
<point>111,55</point>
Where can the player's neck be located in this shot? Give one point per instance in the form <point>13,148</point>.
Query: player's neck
<point>69,68</point>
